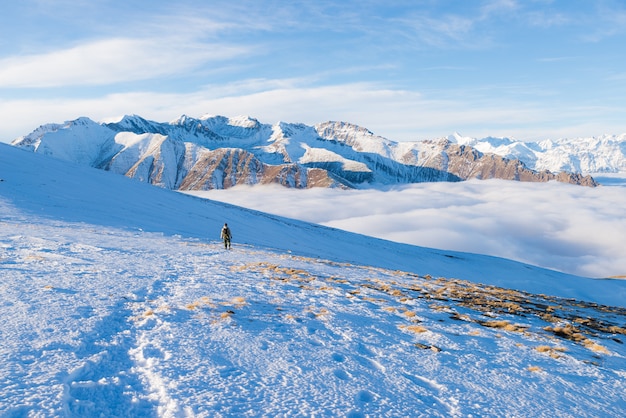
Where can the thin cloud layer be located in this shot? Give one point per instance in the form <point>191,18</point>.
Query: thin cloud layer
<point>109,61</point>
<point>568,228</point>
<point>399,115</point>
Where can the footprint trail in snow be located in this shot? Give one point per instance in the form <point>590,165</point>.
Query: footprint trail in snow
<point>104,321</point>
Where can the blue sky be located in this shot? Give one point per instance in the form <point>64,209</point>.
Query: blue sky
<point>406,70</point>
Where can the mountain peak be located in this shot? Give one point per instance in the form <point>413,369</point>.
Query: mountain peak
<point>135,123</point>
<point>342,129</point>
<point>82,120</point>
<point>457,138</point>
<point>181,120</point>
<point>244,122</point>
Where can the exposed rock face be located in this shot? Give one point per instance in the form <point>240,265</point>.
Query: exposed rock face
<point>467,163</point>
<point>225,167</point>
<point>218,152</point>
<point>179,166</point>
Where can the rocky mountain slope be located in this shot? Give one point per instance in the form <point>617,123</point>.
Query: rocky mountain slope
<point>216,152</point>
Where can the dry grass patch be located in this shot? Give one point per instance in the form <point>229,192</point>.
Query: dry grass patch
<point>311,312</point>
<point>504,325</point>
<point>461,317</point>
<point>548,317</point>
<point>573,333</point>
<point>203,301</point>
<point>206,300</point>
<point>416,288</point>
<point>417,329</point>
<point>238,301</point>
<point>323,313</point>
<point>337,280</point>
<point>275,271</point>
<point>568,332</point>
<point>226,315</point>
<point>593,346</point>
<point>439,308</point>
<point>373,300</point>
<point>554,352</point>
<point>409,314</point>
<point>614,329</point>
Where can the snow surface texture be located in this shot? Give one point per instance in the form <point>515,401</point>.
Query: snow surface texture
<point>117,299</point>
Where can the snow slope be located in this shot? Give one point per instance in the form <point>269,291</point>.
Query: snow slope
<point>117,300</point>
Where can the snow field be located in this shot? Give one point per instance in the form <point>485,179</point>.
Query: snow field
<point>113,302</point>
<point>100,321</point>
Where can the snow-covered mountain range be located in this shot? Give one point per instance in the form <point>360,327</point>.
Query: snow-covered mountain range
<point>117,299</point>
<point>603,154</point>
<point>215,152</point>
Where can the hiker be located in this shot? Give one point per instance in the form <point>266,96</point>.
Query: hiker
<point>226,236</point>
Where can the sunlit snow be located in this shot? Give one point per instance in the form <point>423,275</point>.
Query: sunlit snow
<point>117,299</point>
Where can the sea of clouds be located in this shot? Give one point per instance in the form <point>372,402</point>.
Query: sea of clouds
<point>574,229</point>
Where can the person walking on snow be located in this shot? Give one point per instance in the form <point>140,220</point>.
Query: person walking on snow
<point>226,236</point>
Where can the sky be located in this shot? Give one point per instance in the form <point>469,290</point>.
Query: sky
<point>406,70</point>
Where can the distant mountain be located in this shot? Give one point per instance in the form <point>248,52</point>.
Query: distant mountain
<point>215,152</point>
<point>603,154</point>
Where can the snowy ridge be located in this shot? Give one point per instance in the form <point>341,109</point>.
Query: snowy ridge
<point>603,154</point>
<point>80,140</point>
<point>118,300</point>
<point>332,154</point>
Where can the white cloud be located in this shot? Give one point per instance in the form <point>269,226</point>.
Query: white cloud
<point>569,228</point>
<point>492,7</point>
<point>110,61</point>
<point>400,115</point>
